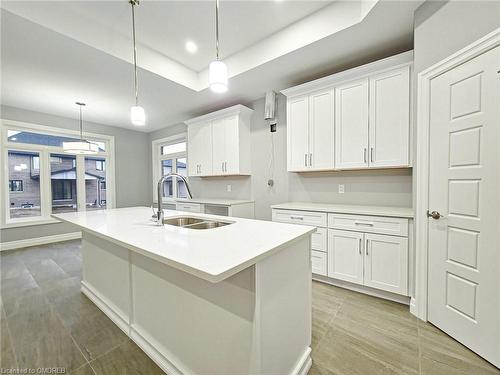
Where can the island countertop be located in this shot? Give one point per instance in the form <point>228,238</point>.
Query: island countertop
<point>211,254</point>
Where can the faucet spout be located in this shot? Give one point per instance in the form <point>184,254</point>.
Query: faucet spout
<point>159,213</point>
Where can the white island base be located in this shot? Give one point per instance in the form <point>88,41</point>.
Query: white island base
<point>257,321</point>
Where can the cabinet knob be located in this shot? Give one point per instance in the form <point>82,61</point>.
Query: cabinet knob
<point>435,215</point>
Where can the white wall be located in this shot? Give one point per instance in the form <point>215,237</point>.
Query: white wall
<point>132,167</point>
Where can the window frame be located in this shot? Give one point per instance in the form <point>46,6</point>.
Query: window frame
<point>157,159</point>
<point>16,191</point>
<point>45,175</point>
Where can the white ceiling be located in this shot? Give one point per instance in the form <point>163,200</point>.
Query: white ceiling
<point>83,52</point>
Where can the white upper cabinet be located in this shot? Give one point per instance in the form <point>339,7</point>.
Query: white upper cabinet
<point>321,130</point>
<point>310,132</point>
<point>356,119</point>
<point>298,133</point>
<point>219,143</point>
<point>200,149</point>
<point>390,118</point>
<point>351,125</point>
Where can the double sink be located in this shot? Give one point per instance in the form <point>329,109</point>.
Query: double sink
<point>195,222</point>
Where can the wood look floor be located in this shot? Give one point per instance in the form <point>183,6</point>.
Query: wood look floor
<point>47,322</point>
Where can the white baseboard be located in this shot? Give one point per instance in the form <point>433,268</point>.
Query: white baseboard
<point>363,289</point>
<point>11,245</point>
<point>304,364</point>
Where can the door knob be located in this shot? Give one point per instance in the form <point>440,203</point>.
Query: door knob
<point>434,214</point>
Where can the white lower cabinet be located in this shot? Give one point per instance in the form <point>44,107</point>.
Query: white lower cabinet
<point>386,263</point>
<point>345,255</point>
<point>374,260</point>
<point>318,262</point>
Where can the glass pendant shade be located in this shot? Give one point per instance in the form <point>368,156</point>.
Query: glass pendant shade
<point>137,115</point>
<point>81,147</point>
<point>217,76</point>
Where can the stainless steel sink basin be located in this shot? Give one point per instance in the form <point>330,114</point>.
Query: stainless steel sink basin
<point>182,221</point>
<point>195,222</point>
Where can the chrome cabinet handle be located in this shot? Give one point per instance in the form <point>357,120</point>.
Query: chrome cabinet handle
<point>225,166</point>
<point>310,160</point>
<point>366,248</point>
<point>364,155</point>
<point>371,154</point>
<point>296,218</point>
<point>434,214</point>
<point>363,223</point>
<point>305,160</point>
<point>360,245</point>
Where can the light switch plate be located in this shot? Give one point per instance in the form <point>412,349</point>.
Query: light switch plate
<point>341,188</point>
<point>229,187</point>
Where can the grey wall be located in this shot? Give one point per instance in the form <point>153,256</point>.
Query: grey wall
<point>442,28</point>
<point>132,167</point>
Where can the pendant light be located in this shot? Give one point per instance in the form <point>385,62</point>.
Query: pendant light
<point>217,71</point>
<point>137,114</point>
<point>81,147</point>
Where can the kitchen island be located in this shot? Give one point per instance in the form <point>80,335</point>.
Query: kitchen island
<point>234,299</point>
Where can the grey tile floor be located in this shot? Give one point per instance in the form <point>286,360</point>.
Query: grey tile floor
<point>47,322</point>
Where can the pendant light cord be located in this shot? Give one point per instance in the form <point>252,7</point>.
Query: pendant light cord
<point>217,28</point>
<point>80,104</point>
<point>134,3</point>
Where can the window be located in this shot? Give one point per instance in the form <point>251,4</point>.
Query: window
<point>24,185</point>
<point>15,185</point>
<point>99,165</point>
<point>170,156</point>
<point>95,183</point>
<point>35,162</point>
<point>44,180</point>
<point>62,190</point>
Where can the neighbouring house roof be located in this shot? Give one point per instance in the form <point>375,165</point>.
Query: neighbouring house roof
<point>70,174</point>
<point>41,139</point>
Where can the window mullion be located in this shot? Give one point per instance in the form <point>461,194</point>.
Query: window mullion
<point>45,180</point>
<point>80,183</point>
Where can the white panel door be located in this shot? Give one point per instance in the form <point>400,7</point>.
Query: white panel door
<point>345,255</point>
<point>199,149</point>
<point>464,185</point>
<point>390,118</point>
<point>232,146</point>
<point>386,263</point>
<point>351,125</point>
<point>321,130</point>
<point>218,146</point>
<point>298,133</point>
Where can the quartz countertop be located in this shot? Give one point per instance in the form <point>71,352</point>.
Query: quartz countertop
<point>404,212</point>
<point>214,201</point>
<point>211,254</point>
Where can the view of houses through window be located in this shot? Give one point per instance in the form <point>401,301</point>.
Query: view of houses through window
<point>173,158</point>
<point>27,171</point>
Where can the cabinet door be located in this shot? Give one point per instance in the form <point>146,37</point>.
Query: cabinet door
<point>219,146</point>
<point>386,263</point>
<point>351,125</point>
<point>345,255</point>
<point>390,118</point>
<point>298,133</point>
<point>321,130</point>
<point>199,149</point>
<point>232,146</point>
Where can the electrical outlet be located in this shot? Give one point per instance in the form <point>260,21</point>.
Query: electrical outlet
<point>229,187</point>
<point>341,188</point>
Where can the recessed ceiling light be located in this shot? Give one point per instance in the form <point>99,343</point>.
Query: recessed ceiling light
<point>191,46</point>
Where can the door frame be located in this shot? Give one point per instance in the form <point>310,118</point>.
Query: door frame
<point>419,304</point>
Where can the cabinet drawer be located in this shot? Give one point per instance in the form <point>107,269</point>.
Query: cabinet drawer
<point>188,207</point>
<point>319,240</point>
<point>317,219</point>
<point>369,224</point>
<point>318,262</point>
